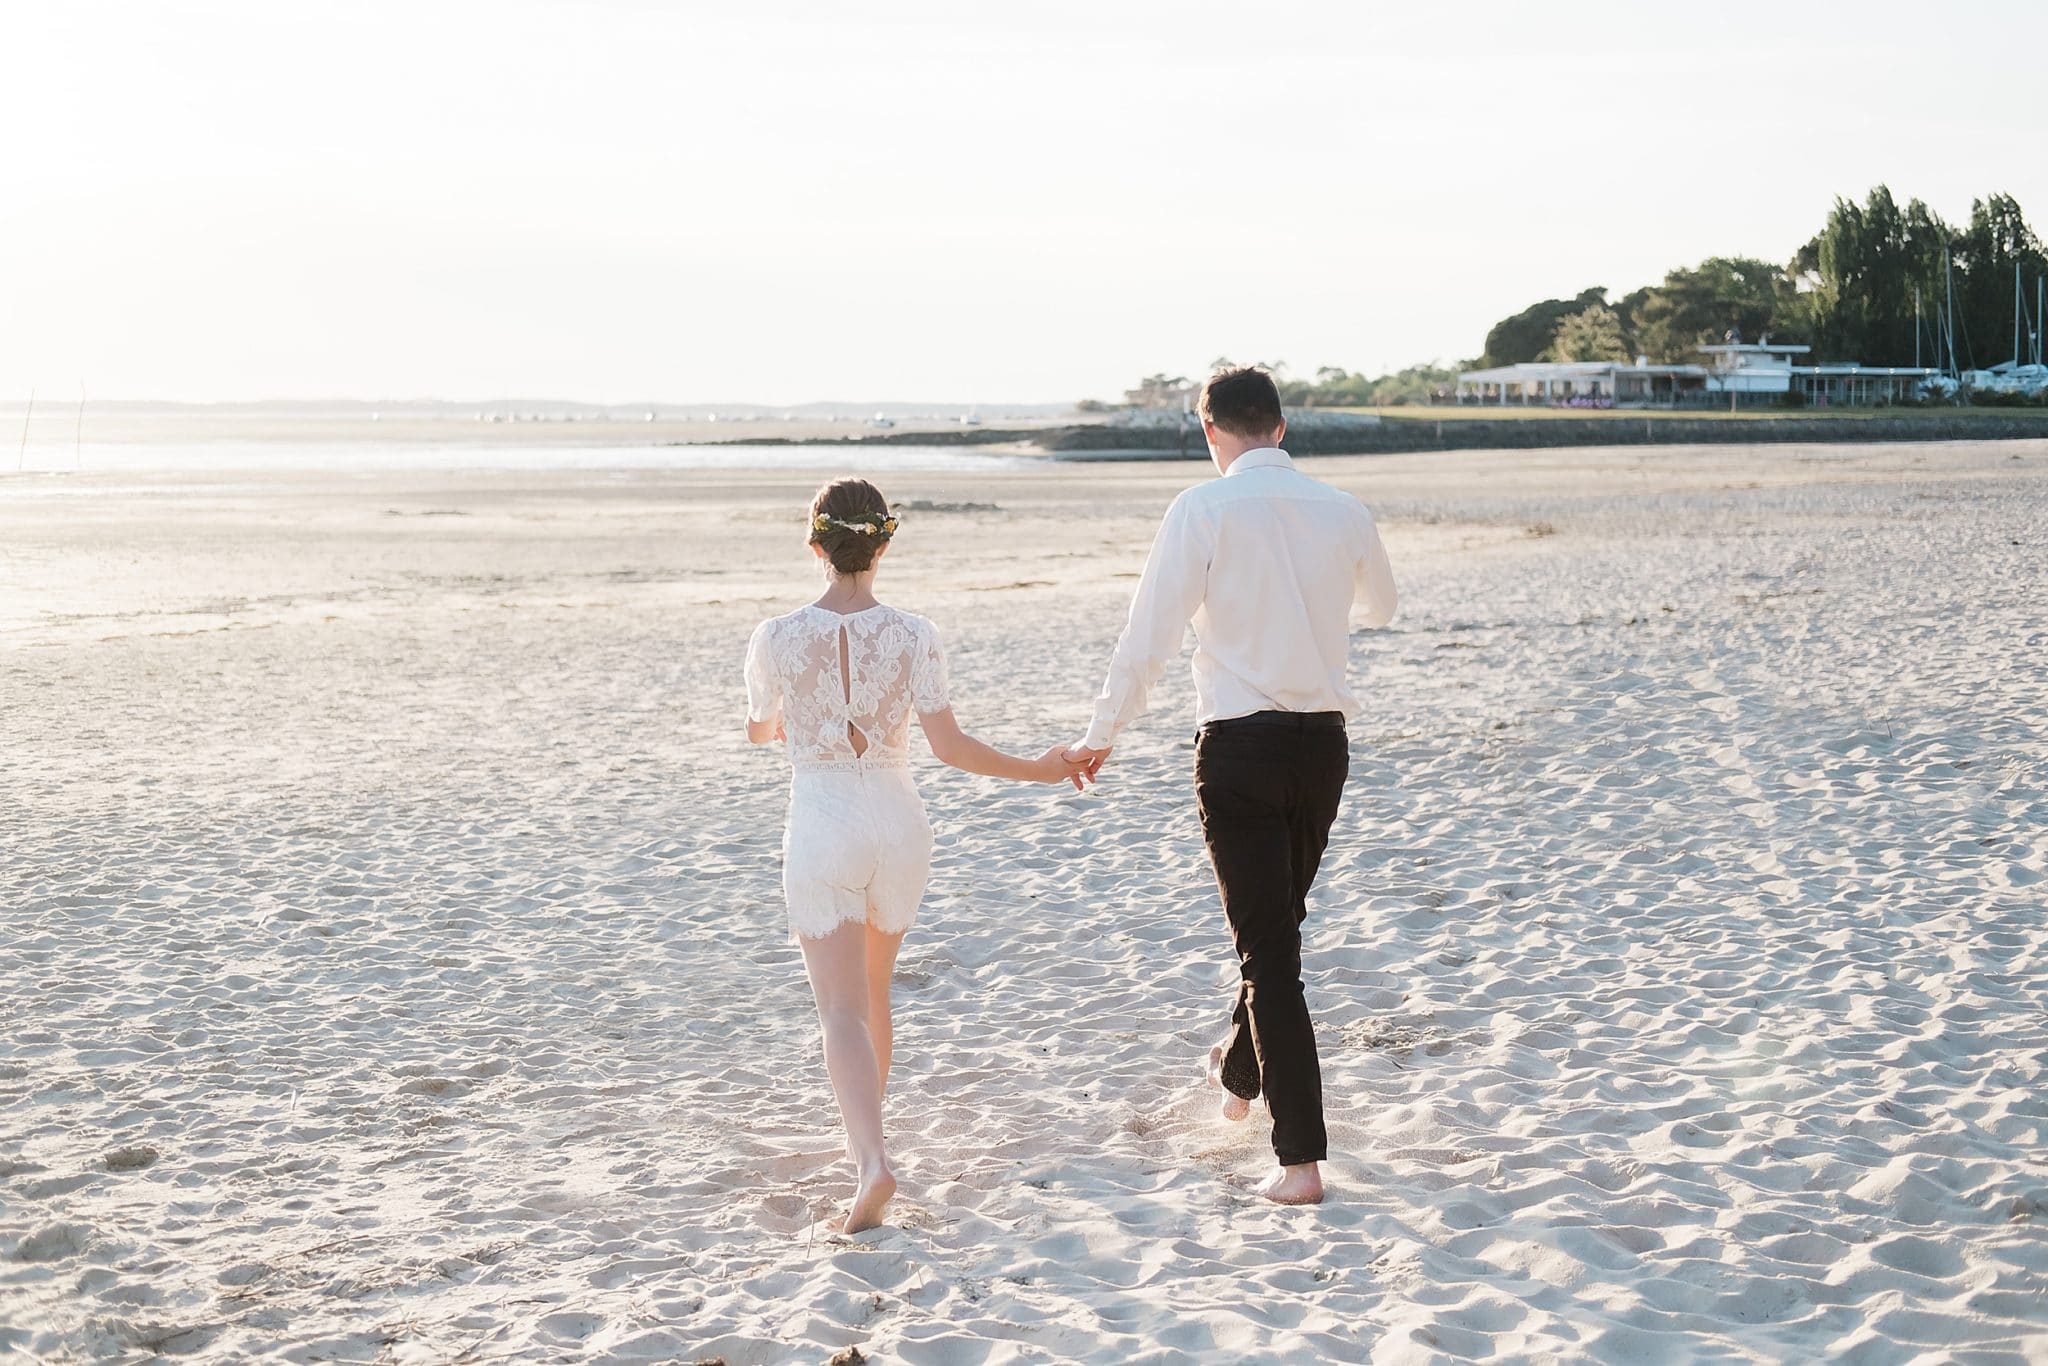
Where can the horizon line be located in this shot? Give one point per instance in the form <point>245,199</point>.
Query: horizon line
<point>59,400</point>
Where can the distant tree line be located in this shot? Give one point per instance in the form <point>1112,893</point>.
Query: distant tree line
<point>1848,293</point>
<point>1331,388</point>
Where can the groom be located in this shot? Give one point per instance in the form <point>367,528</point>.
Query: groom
<point>1267,562</point>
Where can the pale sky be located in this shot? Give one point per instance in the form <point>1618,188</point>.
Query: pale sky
<point>764,202</point>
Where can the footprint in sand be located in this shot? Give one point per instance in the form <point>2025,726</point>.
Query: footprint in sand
<point>132,1158</point>
<point>53,1243</point>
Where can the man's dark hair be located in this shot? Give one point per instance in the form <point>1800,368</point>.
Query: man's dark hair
<point>1243,401</point>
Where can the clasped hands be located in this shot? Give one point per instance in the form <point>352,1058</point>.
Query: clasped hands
<point>1076,764</point>
<point>1089,759</point>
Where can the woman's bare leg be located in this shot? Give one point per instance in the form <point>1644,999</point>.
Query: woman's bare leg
<point>837,964</point>
<point>882,948</point>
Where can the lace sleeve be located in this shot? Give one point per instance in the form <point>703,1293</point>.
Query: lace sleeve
<point>928,672</point>
<point>764,683</point>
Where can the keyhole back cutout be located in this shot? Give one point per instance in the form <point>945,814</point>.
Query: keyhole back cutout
<point>854,736</point>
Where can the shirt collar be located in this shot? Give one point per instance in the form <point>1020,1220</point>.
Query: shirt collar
<point>1260,458</point>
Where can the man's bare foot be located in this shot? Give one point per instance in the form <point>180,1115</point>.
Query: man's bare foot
<point>869,1200</point>
<point>1296,1185</point>
<point>1235,1107</point>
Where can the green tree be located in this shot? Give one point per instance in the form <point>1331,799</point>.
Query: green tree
<point>1157,391</point>
<point>1593,333</point>
<point>1332,387</point>
<point>1705,302</point>
<point>1859,276</point>
<point>1415,384</point>
<point>1528,334</point>
<point>1986,252</point>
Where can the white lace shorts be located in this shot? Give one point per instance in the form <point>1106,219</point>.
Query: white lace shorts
<point>857,847</point>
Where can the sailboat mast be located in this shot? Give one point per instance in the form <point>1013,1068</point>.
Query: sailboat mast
<point>1948,271</point>
<point>24,428</point>
<point>2017,306</point>
<point>1916,327</point>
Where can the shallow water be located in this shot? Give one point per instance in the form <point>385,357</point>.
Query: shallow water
<point>342,457</point>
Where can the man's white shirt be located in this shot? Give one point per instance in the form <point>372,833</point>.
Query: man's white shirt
<point>1267,563</point>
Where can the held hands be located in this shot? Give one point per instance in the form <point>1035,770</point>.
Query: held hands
<point>1054,766</point>
<point>1090,760</point>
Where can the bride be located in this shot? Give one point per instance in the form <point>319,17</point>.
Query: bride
<point>838,680</point>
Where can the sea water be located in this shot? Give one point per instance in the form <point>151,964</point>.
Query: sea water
<point>371,457</point>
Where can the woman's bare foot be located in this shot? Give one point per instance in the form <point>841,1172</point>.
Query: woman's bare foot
<point>869,1199</point>
<point>1235,1107</point>
<point>1296,1185</point>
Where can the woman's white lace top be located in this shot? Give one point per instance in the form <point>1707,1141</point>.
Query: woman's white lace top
<point>894,667</point>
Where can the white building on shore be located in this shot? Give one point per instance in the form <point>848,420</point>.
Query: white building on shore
<point>1583,384</point>
<point>1735,372</point>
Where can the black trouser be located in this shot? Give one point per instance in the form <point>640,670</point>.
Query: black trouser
<point>1267,786</point>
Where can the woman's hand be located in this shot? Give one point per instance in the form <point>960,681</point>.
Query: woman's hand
<point>1054,766</point>
<point>956,748</point>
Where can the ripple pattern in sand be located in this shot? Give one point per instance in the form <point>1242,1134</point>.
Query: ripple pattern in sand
<point>411,984</point>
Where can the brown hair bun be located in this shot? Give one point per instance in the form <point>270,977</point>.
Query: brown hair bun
<point>851,520</point>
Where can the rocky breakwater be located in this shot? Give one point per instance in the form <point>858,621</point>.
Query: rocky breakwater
<point>1157,434</point>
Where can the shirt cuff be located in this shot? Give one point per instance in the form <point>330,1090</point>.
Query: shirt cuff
<point>1101,734</point>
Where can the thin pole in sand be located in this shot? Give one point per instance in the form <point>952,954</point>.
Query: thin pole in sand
<point>23,460</point>
<point>78,431</point>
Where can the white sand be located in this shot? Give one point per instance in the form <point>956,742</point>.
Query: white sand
<point>394,967</point>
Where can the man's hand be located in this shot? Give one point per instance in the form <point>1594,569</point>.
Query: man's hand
<point>1054,766</point>
<point>1080,754</point>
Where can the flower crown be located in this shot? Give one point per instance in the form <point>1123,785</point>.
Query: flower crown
<point>875,524</point>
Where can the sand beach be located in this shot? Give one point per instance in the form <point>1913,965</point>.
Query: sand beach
<point>395,967</point>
